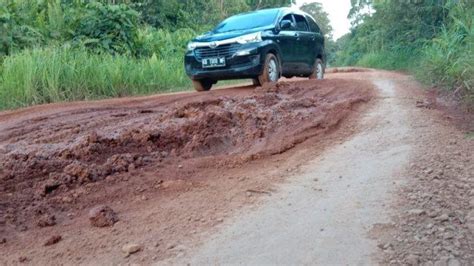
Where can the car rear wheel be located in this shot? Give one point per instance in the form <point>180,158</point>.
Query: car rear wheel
<point>318,71</point>
<point>271,70</point>
<point>202,85</point>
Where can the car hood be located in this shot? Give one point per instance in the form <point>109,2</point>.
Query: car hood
<point>212,37</point>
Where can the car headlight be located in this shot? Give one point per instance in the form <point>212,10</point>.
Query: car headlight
<point>246,52</point>
<point>192,46</point>
<point>249,38</point>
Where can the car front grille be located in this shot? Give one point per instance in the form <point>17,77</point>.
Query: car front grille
<point>226,50</point>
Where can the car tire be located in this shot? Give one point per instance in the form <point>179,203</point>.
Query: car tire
<point>318,71</point>
<point>256,82</point>
<point>202,85</point>
<point>271,70</point>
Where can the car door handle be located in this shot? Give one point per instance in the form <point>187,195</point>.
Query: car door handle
<point>297,35</point>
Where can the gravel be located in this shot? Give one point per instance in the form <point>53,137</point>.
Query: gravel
<point>438,226</point>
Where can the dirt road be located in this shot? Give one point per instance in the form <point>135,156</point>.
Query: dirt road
<point>304,172</point>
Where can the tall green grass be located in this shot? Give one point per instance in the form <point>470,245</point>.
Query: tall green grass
<point>46,75</point>
<point>390,60</point>
<point>448,62</point>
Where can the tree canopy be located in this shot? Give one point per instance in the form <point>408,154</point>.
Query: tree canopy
<point>316,10</point>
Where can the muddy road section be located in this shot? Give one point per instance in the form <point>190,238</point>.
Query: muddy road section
<point>57,161</point>
<point>397,192</point>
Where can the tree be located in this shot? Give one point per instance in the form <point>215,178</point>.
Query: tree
<point>196,14</point>
<point>261,4</point>
<point>230,7</point>
<point>359,10</point>
<point>322,17</point>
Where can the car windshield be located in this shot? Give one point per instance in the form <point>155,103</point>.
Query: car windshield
<point>246,21</point>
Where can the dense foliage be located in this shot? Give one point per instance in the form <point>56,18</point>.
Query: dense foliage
<point>112,28</point>
<point>110,25</point>
<point>433,39</point>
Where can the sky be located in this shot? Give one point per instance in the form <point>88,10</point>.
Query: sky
<point>337,10</point>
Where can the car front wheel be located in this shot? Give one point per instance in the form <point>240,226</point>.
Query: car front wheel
<point>202,85</point>
<point>318,71</point>
<point>256,82</point>
<point>271,70</point>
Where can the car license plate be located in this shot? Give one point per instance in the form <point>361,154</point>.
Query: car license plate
<point>213,62</point>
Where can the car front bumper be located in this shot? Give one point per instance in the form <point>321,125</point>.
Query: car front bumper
<point>246,62</point>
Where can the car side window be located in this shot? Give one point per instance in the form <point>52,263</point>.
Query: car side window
<point>289,17</point>
<point>301,24</point>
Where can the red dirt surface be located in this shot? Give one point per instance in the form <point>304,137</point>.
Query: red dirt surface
<point>347,70</point>
<point>58,160</point>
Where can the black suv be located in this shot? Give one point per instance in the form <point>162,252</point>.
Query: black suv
<point>262,45</point>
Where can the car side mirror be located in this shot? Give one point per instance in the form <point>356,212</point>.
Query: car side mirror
<point>285,25</point>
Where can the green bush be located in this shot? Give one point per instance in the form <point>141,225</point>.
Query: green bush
<point>164,43</point>
<point>92,24</point>
<point>16,29</point>
<point>110,28</point>
<point>45,75</point>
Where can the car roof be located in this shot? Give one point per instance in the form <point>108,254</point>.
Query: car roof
<point>282,11</point>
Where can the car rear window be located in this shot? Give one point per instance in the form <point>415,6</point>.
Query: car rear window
<point>248,21</point>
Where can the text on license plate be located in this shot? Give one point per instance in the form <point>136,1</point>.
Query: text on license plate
<point>213,62</point>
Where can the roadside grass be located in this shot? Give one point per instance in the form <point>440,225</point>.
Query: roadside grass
<point>54,74</point>
<point>61,74</point>
<point>448,62</point>
<point>390,60</point>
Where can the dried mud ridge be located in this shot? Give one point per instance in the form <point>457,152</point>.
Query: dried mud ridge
<point>47,159</point>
